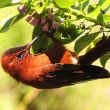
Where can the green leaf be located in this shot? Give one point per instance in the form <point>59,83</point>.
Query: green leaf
<point>90,47</point>
<point>94,13</point>
<point>104,4</point>
<point>100,18</point>
<point>104,59</point>
<point>101,2</point>
<point>41,44</point>
<point>67,34</point>
<point>65,3</point>
<point>6,23</point>
<point>106,18</point>
<point>103,18</point>
<point>91,8</point>
<point>9,21</point>
<point>84,4</point>
<point>84,41</point>
<point>4,3</point>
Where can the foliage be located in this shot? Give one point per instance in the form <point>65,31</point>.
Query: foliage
<point>67,20</point>
<point>76,21</point>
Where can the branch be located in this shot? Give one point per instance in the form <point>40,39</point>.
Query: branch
<point>90,19</point>
<point>95,52</point>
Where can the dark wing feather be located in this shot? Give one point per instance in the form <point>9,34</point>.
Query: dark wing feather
<point>68,74</point>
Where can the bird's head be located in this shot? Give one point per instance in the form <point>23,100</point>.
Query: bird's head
<point>13,55</point>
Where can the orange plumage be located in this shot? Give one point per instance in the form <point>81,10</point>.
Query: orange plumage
<point>52,69</point>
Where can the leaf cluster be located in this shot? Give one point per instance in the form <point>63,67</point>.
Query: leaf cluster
<point>67,20</point>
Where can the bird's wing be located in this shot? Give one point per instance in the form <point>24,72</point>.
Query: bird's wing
<point>69,74</point>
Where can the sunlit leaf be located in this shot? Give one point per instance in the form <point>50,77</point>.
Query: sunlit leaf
<point>65,3</point>
<point>4,3</point>
<point>84,4</point>
<point>100,18</point>
<point>104,59</point>
<point>91,8</point>
<point>90,47</point>
<point>84,41</point>
<point>94,13</point>
<point>106,18</point>
<point>104,4</point>
<point>101,2</point>
<point>8,21</point>
<point>103,18</point>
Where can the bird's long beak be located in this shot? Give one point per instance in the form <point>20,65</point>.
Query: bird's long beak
<point>30,44</point>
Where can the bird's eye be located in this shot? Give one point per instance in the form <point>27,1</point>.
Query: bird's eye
<point>20,56</point>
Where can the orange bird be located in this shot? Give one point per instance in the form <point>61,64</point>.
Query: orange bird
<point>53,69</point>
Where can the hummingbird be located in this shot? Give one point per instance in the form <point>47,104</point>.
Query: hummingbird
<point>55,68</point>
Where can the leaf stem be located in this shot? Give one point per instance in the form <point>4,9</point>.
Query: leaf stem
<point>77,13</point>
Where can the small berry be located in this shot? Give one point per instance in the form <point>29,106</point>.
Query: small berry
<point>51,16</point>
<point>43,19</point>
<point>22,9</point>
<point>35,21</point>
<point>45,27</point>
<point>55,25</point>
